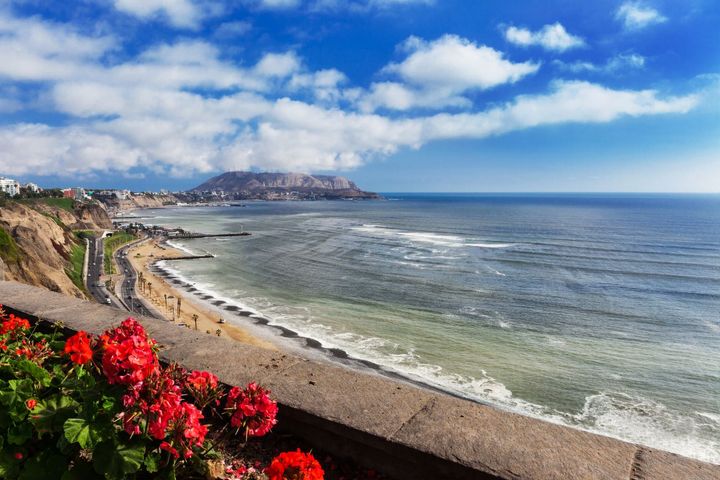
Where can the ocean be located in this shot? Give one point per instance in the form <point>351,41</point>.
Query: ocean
<point>597,311</point>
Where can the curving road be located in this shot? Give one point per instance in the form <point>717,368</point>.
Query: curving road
<point>95,270</point>
<point>132,301</point>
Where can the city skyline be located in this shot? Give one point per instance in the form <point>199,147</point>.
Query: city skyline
<point>397,95</point>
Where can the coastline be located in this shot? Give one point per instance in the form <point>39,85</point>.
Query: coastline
<point>265,325</point>
<point>142,257</point>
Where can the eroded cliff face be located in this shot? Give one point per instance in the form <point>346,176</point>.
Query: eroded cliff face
<point>86,216</point>
<point>141,200</point>
<point>44,245</point>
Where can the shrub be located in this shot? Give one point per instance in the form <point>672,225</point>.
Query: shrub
<point>92,407</point>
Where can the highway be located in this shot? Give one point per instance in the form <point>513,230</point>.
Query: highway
<point>133,302</point>
<point>95,270</point>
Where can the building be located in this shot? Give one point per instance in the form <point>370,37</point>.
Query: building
<point>76,193</point>
<point>9,186</point>
<point>32,187</point>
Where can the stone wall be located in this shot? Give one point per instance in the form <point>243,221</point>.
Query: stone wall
<point>397,428</point>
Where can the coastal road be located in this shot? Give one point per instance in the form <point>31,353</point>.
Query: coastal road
<point>132,301</point>
<point>95,270</point>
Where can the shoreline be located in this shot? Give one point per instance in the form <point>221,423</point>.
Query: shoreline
<point>143,257</point>
<point>283,337</point>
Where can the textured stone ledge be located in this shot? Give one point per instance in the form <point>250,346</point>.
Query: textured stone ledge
<point>394,427</point>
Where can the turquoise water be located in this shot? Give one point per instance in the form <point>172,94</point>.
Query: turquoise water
<point>601,312</point>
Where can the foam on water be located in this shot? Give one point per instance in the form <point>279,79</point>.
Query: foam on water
<point>180,246</point>
<point>450,241</point>
<point>613,414</point>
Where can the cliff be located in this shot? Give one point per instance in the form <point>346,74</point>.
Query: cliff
<point>86,216</point>
<point>38,246</point>
<point>261,185</point>
<point>139,200</point>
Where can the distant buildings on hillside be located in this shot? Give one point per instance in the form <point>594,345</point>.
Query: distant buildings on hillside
<point>11,187</point>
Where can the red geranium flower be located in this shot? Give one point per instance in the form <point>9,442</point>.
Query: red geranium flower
<point>252,409</point>
<point>128,355</point>
<point>78,348</point>
<point>203,387</point>
<point>30,403</point>
<point>13,325</point>
<point>295,466</point>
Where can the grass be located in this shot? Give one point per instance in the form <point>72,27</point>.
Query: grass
<point>64,203</point>
<point>9,250</point>
<point>75,271</point>
<point>111,244</point>
<point>83,234</point>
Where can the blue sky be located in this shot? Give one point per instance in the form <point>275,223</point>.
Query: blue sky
<point>399,95</point>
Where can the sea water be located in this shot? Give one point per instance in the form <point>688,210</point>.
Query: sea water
<point>596,311</point>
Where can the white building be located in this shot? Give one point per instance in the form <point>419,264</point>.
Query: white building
<point>32,187</point>
<point>9,186</point>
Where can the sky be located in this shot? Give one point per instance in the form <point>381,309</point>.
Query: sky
<point>398,95</point>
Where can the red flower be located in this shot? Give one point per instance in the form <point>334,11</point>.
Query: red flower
<point>30,403</point>
<point>128,355</point>
<point>13,326</point>
<point>203,387</point>
<point>18,456</point>
<point>78,348</point>
<point>34,351</point>
<point>156,400</point>
<point>185,431</point>
<point>252,410</point>
<point>294,466</point>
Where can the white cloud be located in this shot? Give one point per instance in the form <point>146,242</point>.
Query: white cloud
<point>618,63</point>
<point>186,14</point>
<point>278,65</point>
<point>182,108</point>
<point>278,4</point>
<point>550,37</point>
<point>637,15</point>
<point>438,73</point>
<point>324,84</point>
<point>457,63</point>
<point>397,96</point>
<point>36,50</point>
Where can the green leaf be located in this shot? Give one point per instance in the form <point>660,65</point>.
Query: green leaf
<point>117,461</point>
<point>152,462</point>
<point>19,433</point>
<point>79,430</point>
<point>50,414</point>
<point>35,372</point>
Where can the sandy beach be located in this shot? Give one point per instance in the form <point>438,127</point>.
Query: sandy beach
<point>156,288</point>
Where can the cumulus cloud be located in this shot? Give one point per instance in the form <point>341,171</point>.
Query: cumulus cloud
<point>36,50</point>
<point>180,13</point>
<point>436,74</point>
<point>182,108</point>
<point>550,37</point>
<point>638,15</point>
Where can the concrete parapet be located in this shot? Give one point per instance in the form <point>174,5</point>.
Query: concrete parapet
<point>395,427</point>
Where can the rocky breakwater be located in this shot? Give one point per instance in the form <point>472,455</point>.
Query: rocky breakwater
<point>37,242</point>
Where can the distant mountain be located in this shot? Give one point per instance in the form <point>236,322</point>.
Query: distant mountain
<point>276,186</point>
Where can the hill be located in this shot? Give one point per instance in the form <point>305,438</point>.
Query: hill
<point>277,186</point>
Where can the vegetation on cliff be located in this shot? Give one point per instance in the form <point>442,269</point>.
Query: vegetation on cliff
<point>39,245</point>
<point>111,244</point>
<point>75,270</point>
<point>8,248</point>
